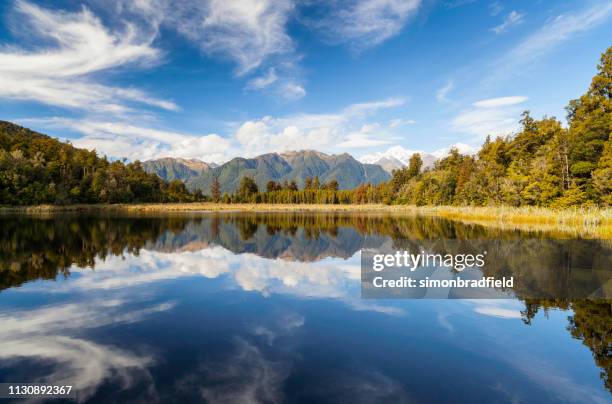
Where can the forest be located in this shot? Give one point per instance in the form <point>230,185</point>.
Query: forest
<point>37,169</point>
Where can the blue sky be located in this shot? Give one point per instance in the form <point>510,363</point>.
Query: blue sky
<point>214,79</point>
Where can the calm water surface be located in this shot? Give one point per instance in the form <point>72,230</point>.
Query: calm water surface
<point>267,308</point>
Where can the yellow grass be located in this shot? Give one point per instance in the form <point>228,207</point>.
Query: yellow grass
<point>579,222</point>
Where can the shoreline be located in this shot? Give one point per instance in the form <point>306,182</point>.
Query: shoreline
<point>583,222</point>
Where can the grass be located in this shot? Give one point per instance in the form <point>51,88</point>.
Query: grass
<point>578,222</point>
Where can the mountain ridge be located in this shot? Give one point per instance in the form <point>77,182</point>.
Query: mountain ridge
<point>286,166</point>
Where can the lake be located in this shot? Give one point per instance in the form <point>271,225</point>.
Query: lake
<point>268,308</point>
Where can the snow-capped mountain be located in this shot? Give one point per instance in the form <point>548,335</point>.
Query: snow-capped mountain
<point>397,156</point>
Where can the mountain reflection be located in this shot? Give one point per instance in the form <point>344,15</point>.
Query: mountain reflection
<point>544,268</point>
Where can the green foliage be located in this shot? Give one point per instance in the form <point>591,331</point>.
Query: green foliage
<point>36,169</point>
<point>405,174</point>
<point>602,176</point>
<point>247,189</point>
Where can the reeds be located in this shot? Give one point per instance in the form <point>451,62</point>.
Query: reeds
<point>583,222</point>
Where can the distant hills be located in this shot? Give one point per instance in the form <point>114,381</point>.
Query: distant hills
<point>280,167</point>
<point>169,168</point>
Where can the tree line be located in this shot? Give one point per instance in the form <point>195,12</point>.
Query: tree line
<point>313,192</point>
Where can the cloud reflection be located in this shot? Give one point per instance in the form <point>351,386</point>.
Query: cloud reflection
<point>330,278</point>
<point>51,335</point>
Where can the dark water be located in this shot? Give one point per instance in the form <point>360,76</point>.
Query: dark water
<point>268,308</point>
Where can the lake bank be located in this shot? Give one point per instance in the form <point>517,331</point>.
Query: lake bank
<point>583,222</point>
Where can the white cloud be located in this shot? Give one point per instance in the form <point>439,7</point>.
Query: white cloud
<point>119,139</point>
<point>346,128</point>
<point>368,107</point>
<point>350,127</point>
<point>248,32</point>
<point>398,122</point>
<point>494,117</point>
<point>283,85</point>
<point>264,80</point>
<point>252,34</point>
<point>500,102</point>
<point>363,23</point>
<point>62,74</point>
<point>442,93</point>
<point>514,18</point>
<point>365,137</point>
<point>495,8</point>
<point>553,33</point>
<point>463,148</point>
<point>458,3</point>
<point>292,91</point>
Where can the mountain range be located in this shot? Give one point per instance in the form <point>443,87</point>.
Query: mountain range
<point>280,167</point>
<point>169,168</point>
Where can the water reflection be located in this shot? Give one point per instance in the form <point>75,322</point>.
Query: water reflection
<point>542,267</point>
<point>265,293</point>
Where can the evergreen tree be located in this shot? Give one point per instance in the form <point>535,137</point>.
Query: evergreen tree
<point>414,165</point>
<point>215,190</point>
<point>247,189</point>
<point>590,118</point>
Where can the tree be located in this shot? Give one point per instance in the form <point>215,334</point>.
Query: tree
<point>272,186</point>
<point>414,165</point>
<point>215,190</point>
<point>602,176</point>
<point>308,183</point>
<point>331,185</point>
<point>590,119</point>
<point>247,189</point>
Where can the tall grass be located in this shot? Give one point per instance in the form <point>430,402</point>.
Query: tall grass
<point>576,222</point>
<point>584,222</point>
